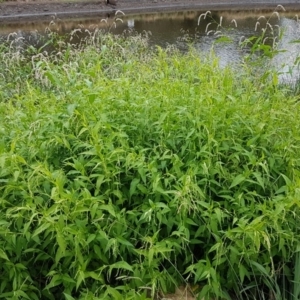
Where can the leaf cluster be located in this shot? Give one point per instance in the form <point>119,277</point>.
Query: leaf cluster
<point>125,171</point>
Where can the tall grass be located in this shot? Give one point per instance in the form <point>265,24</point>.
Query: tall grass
<point>127,171</point>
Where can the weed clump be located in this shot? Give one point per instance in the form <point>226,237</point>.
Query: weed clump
<point>127,171</point>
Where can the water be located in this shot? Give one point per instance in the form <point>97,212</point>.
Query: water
<point>287,61</point>
<point>178,29</point>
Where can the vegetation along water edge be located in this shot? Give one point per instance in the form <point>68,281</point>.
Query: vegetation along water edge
<point>127,171</point>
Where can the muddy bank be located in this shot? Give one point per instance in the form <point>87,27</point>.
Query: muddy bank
<point>18,11</point>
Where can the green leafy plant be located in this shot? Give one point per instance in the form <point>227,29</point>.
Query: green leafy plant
<point>118,184</point>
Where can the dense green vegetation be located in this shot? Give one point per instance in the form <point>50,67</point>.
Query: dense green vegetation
<point>125,171</point>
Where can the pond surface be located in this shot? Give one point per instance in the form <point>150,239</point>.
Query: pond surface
<point>204,29</point>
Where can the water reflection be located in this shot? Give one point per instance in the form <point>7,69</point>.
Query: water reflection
<point>130,23</point>
<point>178,28</point>
<point>286,62</point>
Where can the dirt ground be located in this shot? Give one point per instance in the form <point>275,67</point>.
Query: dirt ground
<point>42,9</point>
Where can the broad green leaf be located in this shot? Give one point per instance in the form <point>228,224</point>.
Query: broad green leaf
<point>142,173</point>
<point>133,185</point>
<point>121,265</point>
<point>242,272</point>
<point>67,278</point>
<point>123,241</point>
<point>23,294</point>
<point>142,188</point>
<point>190,222</point>
<point>40,229</point>
<point>215,247</point>
<point>20,266</point>
<point>114,293</point>
<point>100,180</point>
<point>3,255</point>
<point>91,238</point>
<point>80,279</point>
<point>286,179</point>
<point>260,268</point>
<point>237,180</point>
<point>109,208</point>
<point>68,297</point>
<point>56,280</point>
<point>7,295</point>
<point>94,275</point>
<point>204,293</point>
<point>259,179</point>
<point>61,242</point>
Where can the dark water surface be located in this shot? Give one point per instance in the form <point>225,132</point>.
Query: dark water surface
<point>201,28</point>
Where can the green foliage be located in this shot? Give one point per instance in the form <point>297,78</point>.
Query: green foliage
<point>126,171</point>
